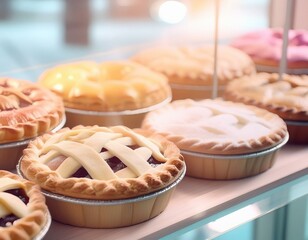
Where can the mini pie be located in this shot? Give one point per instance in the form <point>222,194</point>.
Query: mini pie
<point>194,65</point>
<point>106,87</point>
<point>287,97</point>
<point>27,110</point>
<point>23,212</point>
<point>264,46</point>
<point>216,126</point>
<point>220,140</point>
<point>101,163</point>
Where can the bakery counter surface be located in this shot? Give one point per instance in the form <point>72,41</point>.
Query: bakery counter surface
<point>197,202</point>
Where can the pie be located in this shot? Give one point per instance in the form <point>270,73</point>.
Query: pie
<point>106,87</point>
<point>264,46</point>
<point>27,110</point>
<point>216,126</point>
<point>22,208</point>
<point>190,69</point>
<point>102,163</point>
<point>220,139</point>
<point>287,97</point>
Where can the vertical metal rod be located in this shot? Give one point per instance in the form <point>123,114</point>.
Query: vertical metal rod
<point>285,40</point>
<point>215,78</point>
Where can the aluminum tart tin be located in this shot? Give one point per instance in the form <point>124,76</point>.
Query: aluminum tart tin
<point>129,118</point>
<point>272,69</point>
<point>228,167</point>
<point>45,229</point>
<point>181,91</point>
<point>298,131</point>
<point>108,213</point>
<point>11,152</point>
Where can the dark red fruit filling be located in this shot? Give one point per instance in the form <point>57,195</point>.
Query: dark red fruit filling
<point>9,219</point>
<point>115,164</point>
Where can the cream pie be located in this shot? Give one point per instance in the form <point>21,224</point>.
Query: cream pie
<point>287,97</point>
<point>102,177</point>
<point>27,110</point>
<point>219,139</point>
<point>190,69</point>
<point>23,212</point>
<point>108,93</point>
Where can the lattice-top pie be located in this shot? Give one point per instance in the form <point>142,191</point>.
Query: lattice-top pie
<point>101,163</point>
<point>287,97</point>
<point>23,212</point>
<point>106,87</point>
<point>27,110</point>
<point>216,126</point>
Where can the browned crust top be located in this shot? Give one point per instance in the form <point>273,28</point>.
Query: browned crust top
<point>27,227</point>
<point>86,188</point>
<point>287,97</point>
<point>27,110</point>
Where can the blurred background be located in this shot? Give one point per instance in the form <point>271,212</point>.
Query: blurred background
<point>34,32</point>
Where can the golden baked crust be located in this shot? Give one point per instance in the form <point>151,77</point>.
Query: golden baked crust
<point>83,147</point>
<point>106,87</point>
<point>27,110</point>
<point>195,65</point>
<point>216,126</point>
<point>28,226</point>
<point>288,98</point>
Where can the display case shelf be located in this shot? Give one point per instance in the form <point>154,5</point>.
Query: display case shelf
<point>198,203</point>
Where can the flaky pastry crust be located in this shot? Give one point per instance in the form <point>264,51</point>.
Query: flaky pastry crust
<point>106,87</point>
<point>27,110</point>
<point>216,126</point>
<point>27,227</point>
<point>105,188</point>
<point>287,97</point>
<point>194,65</point>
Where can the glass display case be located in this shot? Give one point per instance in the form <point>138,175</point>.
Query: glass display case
<point>38,34</point>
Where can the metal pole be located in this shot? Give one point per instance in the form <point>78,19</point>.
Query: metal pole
<point>215,78</point>
<point>285,40</point>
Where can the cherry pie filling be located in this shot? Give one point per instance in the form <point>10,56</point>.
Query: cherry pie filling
<point>8,220</point>
<point>114,163</point>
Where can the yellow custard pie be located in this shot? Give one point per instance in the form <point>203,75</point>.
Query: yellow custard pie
<point>98,163</point>
<point>108,93</point>
<point>287,97</point>
<point>23,212</point>
<point>220,139</point>
<point>190,69</point>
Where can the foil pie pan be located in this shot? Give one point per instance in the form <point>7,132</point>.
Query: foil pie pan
<point>180,91</point>
<point>11,152</point>
<point>41,234</point>
<point>227,167</point>
<point>298,131</point>
<point>108,213</point>
<point>129,118</point>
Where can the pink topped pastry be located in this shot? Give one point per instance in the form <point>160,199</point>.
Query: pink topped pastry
<point>265,48</point>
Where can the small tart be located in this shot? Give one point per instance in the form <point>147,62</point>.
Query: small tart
<point>23,212</point>
<point>287,97</point>
<point>117,162</point>
<point>194,65</point>
<point>216,126</point>
<point>106,87</point>
<point>27,110</point>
